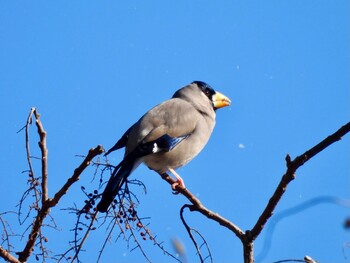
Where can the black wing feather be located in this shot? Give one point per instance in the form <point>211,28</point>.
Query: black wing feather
<point>165,143</point>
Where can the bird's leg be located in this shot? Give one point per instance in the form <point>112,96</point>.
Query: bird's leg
<point>179,181</point>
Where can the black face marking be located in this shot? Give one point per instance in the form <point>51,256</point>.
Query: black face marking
<point>207,90</point>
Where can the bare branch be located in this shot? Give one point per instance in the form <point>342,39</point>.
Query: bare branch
<point>43,203</point>
<point>7,231</point>
<point>249,236</point>
<point>197,206</point>
<point>93,218</point>
<point>188,229</point>
<point>48,203</point>
<point>292,166</point>
<point>93,152</point>
<point>307,259</point>
<point>42,145</point>
<point>189,232</point>
<point>7,256</point>
<point>29,122</point>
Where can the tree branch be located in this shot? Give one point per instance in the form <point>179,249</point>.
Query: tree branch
<point>29,122</point>
<point>43,148</point>
<point>197,206</point>
<point>48,203</point>
<point>189,232</point>
<point>7,256</point>
<point>247,238</point>
<point>93,152</point>
<point>292,166</point>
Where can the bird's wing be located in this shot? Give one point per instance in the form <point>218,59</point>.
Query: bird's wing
<point>164,143</point>
<point>126,166</point>
<point>175,119</point>
<point>121,142</point>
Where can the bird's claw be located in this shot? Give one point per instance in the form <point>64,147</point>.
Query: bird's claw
<point>178,183</point>
<point>173,187</point>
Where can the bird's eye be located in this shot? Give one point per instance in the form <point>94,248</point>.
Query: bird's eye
<point>207,92</point>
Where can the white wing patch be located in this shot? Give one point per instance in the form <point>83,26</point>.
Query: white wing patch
<point>155,148</point>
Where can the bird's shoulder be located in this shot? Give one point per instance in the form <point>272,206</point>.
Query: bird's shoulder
<point>173,114</point>
<point>174,117</point>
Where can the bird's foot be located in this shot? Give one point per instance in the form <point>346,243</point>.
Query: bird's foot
<point>178,184</point>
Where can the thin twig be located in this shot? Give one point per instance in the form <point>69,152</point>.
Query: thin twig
<point>93,152</point>
<point>189,231</point>
<point>43,148</point>
<point>85,236</point>
<point>51,202</point>
<point>5,234</point>
<point>204,243</point>
<point>29,122</point>
<point>115,222</point>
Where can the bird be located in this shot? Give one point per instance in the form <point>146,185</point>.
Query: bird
<point>167,137</point>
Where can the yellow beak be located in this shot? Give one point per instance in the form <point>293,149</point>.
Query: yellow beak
<point>220,100</point>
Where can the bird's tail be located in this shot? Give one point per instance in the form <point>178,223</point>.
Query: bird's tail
<point>118,177</point>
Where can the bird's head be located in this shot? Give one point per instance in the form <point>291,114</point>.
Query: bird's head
<point>217,99</point>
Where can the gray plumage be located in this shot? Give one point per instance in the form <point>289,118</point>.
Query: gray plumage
<point>168,136</point>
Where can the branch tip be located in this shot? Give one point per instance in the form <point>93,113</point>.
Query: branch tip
<point>288,160</point>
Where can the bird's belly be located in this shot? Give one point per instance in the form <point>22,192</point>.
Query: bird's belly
<point>161,162</point>
<point>184,152</point>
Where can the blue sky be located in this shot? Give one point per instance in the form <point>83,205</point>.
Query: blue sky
<point>92,69</point>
